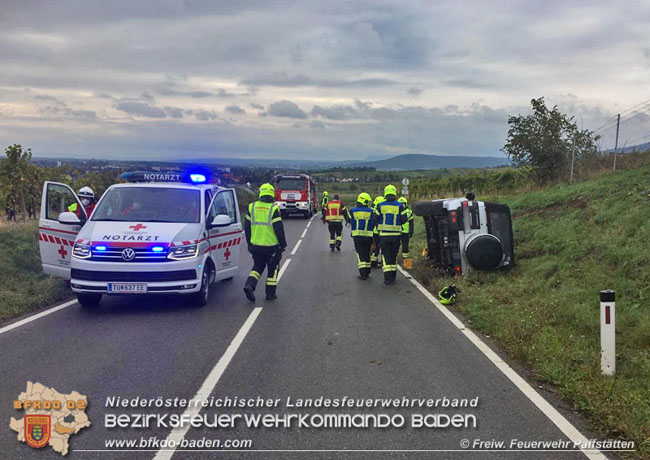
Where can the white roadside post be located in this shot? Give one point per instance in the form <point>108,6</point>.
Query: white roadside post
<point>607,332</point>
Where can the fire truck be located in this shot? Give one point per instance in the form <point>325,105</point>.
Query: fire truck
<point>296,194</point>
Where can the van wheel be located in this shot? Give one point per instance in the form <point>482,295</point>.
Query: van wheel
<point>201,297</point>
<point>88,299</point>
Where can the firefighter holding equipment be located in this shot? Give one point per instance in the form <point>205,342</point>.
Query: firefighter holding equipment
<point>407,234</point>
<point>374,254</point>
<point>362,233</point>
<point>333,214</point>
<point>389,217</point>
<point>266,242</point>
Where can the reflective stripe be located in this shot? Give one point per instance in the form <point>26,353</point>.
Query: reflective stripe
<point>360,223</point>
<point>254,274</point>
<point>334,211</point>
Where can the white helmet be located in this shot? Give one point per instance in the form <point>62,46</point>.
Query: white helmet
<point>86,192</point>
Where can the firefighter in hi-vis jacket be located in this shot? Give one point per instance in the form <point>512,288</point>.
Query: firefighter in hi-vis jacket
<point>362,226</point>
<point>266,242</point>
<point>333,214</point>
<point>376,247</point>
<point>407,229</point>
<point>389,217</point>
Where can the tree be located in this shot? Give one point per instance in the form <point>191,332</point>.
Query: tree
<point>544,141</point>
<point>16,171</point>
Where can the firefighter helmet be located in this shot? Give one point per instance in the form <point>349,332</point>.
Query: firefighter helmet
<point>364,198</point>
<point>390,189</point>
<point>447,294</point>
<point>402,199</point>
<point>86,192</point>
<point>267,190</point>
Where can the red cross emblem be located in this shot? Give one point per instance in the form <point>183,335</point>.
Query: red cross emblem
<point>62,252</point>
<point>227,254</point>
<point>137,227</point>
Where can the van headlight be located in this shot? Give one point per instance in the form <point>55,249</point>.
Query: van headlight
<point>81,251</point>
<point>183,252</point>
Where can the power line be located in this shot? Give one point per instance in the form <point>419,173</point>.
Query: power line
<point>624,113</point>
<point>630,116</point>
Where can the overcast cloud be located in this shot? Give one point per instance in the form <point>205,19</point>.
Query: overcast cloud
<point>172,78</point>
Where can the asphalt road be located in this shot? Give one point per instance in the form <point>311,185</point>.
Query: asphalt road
<point>329,334</point>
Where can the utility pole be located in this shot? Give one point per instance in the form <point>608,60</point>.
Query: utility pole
<point>618,124</point>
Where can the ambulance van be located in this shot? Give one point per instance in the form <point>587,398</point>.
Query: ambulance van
<point>158,233</point>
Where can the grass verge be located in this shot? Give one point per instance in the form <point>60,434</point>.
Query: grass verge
<point>571,242</point>
<point>23,285</point>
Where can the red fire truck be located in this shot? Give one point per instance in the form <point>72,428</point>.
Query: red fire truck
<point>296,194</point>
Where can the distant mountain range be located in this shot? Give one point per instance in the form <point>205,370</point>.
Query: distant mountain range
<point>413,161</point>
<point>633,148</point>
<point>405,162</point>
<point>381,163</point>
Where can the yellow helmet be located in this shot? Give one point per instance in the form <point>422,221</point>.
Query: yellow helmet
<point>390,190</point>
<point>324,192</point>
<point>364,198</point>
<point>402,199</point>
<point>267,190</point>
<point>378,200</point>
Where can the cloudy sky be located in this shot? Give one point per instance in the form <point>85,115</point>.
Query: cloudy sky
<point>164,79</point>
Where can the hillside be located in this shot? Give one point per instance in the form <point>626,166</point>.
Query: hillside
<point>416,161</point>
<point>571,242</point>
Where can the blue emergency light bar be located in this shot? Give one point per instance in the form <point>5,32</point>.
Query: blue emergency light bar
<point>143,176</point>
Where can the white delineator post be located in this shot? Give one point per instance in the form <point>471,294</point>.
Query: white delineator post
<point>607,332</point>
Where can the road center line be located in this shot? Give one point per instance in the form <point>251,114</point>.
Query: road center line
<point>551,412</point>
<point>29,319</point>
<point>304,232</point>
<point>177,434</point>
<point>296,247</point>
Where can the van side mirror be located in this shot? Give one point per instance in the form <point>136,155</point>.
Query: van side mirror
<point>221,220</point>
<point>69,218</point>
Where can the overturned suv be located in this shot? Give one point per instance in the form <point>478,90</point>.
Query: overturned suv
<point>465,235</point>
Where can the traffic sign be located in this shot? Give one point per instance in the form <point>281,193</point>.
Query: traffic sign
<point>405,181</point>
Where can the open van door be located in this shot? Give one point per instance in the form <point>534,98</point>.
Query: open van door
<point>225,238</point>
<point>55,239</point>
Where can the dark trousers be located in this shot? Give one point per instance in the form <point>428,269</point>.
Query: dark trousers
<point>374,257</point>
<point>336,234</point>
<point>362,245</point>
<point>405,246</point>
<point>389,250</point>
<point>268,258</point>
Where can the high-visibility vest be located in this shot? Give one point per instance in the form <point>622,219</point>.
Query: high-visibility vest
<point>406,228</point>
<point>361,220</point>
<point>334,211</point>
<point>389,213</point>
<point>261,216</point>
<point>323,202</point>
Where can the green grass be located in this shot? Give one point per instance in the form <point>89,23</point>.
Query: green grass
<point>571,242</point>
<point>23,285</point>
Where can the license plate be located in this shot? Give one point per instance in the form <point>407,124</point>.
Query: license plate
<point>127,288</point>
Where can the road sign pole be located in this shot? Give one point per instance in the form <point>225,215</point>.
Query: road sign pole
<point>607,332</point>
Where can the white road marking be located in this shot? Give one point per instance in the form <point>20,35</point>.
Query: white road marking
<point>296,247</point>
<point>29,319</point>
<point>283,269</point>
<point>177,434</point>
<point>304,232</point>
<point>551,412</point>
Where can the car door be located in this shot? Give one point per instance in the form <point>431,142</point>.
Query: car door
<point>225,241</point>
<point>55,240</point>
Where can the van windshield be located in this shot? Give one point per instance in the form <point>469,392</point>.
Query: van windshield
<point>149,204</point>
